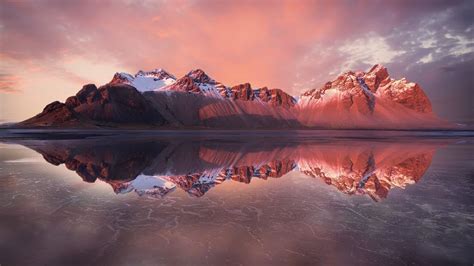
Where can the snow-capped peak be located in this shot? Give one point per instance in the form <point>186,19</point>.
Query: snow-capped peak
<point>122,77</point>
<point>199,76</point>
<point>146,80</point>
<point>197,81</point>
<point>157,73</point>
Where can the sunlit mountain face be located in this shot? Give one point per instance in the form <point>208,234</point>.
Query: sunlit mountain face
<point>157,167</point>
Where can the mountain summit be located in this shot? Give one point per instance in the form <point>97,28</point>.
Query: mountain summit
<point>366,100</point>
<point>156,98</point>
<point>145,81</point>
<point>199,76</point>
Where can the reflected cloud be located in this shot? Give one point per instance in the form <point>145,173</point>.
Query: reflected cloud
<point>157,167</point>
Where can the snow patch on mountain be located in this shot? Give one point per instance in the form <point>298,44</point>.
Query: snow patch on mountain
<point>146,81</point>
<point>148,185</point>
<point>207,85</point>
<point>211,176</point>
<point>210,90</point>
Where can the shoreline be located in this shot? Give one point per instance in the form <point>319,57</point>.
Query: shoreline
<point>68,133</point>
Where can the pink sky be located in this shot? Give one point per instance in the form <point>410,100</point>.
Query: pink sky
<point>49,49</point>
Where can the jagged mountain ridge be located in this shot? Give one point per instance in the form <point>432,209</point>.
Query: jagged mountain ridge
<point>353,100</point>
<point>197,81</point>
<point>366,100</point>
<point>109,104</point>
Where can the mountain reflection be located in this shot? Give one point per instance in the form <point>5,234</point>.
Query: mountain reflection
<point>156,167</point>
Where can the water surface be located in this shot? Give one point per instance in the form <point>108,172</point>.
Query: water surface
<point>261,198</point>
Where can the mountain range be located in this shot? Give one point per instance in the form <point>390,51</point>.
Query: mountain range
<point>157,99</point>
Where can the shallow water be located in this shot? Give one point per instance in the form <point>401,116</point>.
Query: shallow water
<point>231,198</point>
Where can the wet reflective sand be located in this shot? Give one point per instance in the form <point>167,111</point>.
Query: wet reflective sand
<point>253,199</point>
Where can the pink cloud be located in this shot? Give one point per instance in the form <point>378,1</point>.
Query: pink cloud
<point>236,42</point>
<point>8,83</point>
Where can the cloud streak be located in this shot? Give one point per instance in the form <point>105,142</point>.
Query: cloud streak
<point>8,83</point>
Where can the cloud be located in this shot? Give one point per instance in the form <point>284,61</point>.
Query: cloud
<point>461,44</point>
<point>426,59</point>
<point>236,41</point>
<point>351,54</point>
<point>369,50</point>
<point>8,83</point>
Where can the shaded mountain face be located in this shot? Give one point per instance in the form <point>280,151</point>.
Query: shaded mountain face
<point>156,98</point>
<point>155,167</point>
<point>197,110</point>
<point>110,104</point>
